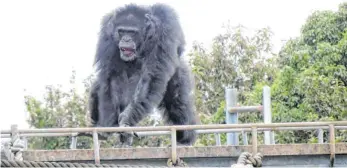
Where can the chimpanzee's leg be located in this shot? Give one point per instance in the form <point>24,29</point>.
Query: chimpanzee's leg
<point>178,105</point>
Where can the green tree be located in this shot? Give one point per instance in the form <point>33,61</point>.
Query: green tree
<point>239,59</point>
<point>312,85</point>
<point>59,109</point>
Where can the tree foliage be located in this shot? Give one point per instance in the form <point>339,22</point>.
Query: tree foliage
<point>238,58</point>
<point>312,84</point>
<point>58,109</point>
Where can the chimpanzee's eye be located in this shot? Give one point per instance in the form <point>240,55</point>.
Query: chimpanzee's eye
<point>121,32</point>
<point>131,32</point>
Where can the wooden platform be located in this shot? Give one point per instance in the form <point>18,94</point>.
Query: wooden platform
<point>219,156</point>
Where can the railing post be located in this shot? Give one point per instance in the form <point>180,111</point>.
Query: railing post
<point>268,135</point>
<point>25,140</point>
<point>320,136</point>
<point>332,144</point>
<point>217,138</point>
<point>254,140</point>
<point>14,133</point>
<point>96,147</point>
<point>173,146</point>
<point>244,138</point>
<point>73,142</point>
<point>231,118</point>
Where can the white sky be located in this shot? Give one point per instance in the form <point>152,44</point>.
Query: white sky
<point>42,41</point>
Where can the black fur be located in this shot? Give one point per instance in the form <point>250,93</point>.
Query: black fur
<point>127,91</point>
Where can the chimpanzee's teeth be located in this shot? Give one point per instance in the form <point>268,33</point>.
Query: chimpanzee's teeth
<point>127,49</point>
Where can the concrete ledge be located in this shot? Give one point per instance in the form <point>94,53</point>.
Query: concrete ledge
<point>183,152</point>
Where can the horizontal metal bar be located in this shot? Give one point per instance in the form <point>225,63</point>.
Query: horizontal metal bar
<point>182,152</point>
<point>273,126</point>
<point>245,109</point>
<point>5,132</point>
<point>211,131</point>
<point>40,135</point>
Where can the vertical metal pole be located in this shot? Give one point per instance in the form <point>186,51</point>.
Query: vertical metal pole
<point>217,138</point>
<point>332,144</point>
<point>320,135</point>
<point>268,135</point>
<point>244,138</point>
<point>254,140</point>
<point>25,139</point>
<point>231,118</point>
<point>96,147</point>
<point>14,137</point>
<point>173,146</point>
<point>14,133</point>
<point>73,142</point>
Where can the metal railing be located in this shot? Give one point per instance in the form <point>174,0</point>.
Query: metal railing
<point>232,117</point>
<point>162,130</point>
<point>233,109</point>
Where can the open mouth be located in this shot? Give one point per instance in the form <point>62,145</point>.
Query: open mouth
<point>127,51</point>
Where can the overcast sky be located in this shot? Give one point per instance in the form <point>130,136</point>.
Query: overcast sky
<point>42,41</point>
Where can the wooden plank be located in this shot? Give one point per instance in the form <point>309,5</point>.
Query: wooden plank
<point>182,152</point>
